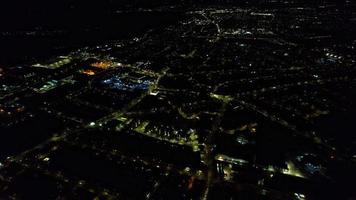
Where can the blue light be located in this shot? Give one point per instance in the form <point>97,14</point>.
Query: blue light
<point>118,84</point>
<point>312,168</point>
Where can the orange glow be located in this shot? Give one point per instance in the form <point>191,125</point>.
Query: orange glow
<point>88,72</point>
<point>102,65</point>
<point>191,182</point>
<point>20,109</point>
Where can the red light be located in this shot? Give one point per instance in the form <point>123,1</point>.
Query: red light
<point>191,183</point>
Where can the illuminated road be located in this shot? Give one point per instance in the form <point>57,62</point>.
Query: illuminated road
<point>209,154</point>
